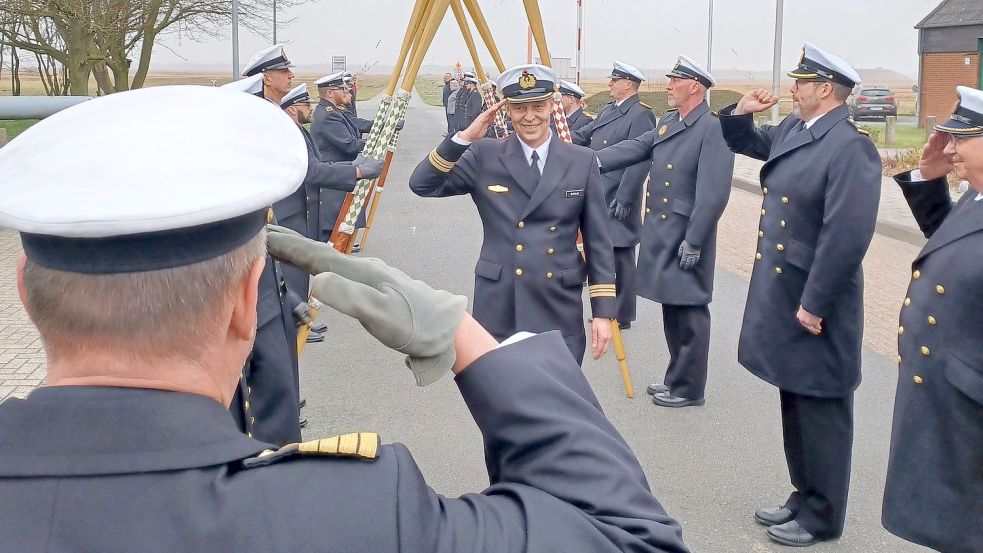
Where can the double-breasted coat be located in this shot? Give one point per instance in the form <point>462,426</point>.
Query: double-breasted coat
<point>616,123</point>
<point>578,119</point>
<point>123,469</point>
<point>338,138</point>
<point>934,490</point>
<point>821,189</point>
<point>470,105</point>
<point>689,184</point>
<point>529,272</point>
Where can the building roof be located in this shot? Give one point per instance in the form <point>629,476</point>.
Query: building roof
<point>954,13</point>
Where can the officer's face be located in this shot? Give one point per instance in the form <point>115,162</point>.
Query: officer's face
<point>620,88</point>
<point>679,90</point>
<point>807,97</point>
<point>967,158</point>
<point>278,80</point>
<point>447,77</point>
<point>531,120</point>
<point>569,102</point>
<point>304,112</point>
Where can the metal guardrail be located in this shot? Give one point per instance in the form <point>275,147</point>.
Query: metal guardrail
<point>36,107</point>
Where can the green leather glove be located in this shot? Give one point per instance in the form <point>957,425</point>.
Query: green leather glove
<point>404,314</point>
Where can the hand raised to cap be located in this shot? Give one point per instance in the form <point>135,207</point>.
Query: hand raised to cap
<point>934,162</point>
<point>479,127</point>
<point>755,101</point>
<point>404,314</point>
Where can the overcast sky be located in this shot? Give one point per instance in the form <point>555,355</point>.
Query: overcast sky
<point>647,33</point>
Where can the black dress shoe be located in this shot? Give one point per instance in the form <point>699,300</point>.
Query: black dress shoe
<point>624,325</point>
<point>792,534</point>
<point>315,337</point>
<point>653,389</point>
<point>302,404</point>
<point>320,329</point>
<point>302,423</point>
<point>666,399</point>
<point>773,516</point>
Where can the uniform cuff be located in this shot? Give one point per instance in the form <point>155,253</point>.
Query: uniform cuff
<point>446,154</point>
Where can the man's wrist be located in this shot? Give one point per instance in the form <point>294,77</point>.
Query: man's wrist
<point>456,138</point>
<point>471,341</point>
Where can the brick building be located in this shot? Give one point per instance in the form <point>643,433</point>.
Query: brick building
<point>950,45</point>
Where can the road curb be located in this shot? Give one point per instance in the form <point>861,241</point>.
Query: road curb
<point>883,227</point>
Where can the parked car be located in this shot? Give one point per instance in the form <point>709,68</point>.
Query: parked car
<point>874,102</point>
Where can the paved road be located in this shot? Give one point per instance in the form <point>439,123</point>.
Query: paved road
<point>710,466</point>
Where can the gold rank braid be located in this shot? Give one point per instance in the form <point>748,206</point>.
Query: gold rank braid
<point>391,111</point>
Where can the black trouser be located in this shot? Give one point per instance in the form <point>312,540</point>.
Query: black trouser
<point>624,281</point>
<point>687,329</point>
<point>577,344</point>
<point>818,434</point>
<point>450,122</point>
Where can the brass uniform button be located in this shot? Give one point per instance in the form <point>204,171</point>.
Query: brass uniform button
<point>246,406</point>
<point>648,194</point>
<point>763,212</point>
<point>782,223</point>
<point>918,379</point>
<point>666,184</point>
<point>552,229</point>
<point>664,216</point>
<point>764,190</point>
<point>784,199</point>
<point>761,234</point>
<point>522,224</point>
<point>605,141</point>
<point>550,251</point>
<point>900,330</point>
<point>669,166</point>
<point>647,210</point>
<point>252,420</point>
<point>925,351</point>
<point>757,255</point>
<point>916,274</point>
<point>939,289</point>
<point>907,302</point>
<point>665,200</point>
<point>778,270</point>
<point>250,434</point>
<point>899,359</point>
<point>549,275</point>
<point>780,247</point>
<point>931,320</point>
<point>518,272</point>
<point>518,247</point>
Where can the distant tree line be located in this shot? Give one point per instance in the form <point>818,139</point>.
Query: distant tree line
<point>111,41</point>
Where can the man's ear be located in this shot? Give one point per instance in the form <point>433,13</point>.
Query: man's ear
<point>243,321</point>
<point>21,288</point>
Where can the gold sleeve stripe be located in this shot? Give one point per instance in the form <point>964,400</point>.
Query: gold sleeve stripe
<point>602,291</point>
<point>603,295</point>
<point>440,163</point>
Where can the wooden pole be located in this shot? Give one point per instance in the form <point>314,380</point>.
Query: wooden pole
<point>421,8</point>
<point>462,22</point>
<point>423,44</point>
<point>535,18</point>
<point>479,22</point>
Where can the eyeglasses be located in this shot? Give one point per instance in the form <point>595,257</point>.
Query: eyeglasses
<point>956,139</point>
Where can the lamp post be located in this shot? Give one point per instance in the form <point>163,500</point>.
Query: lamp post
<point>777,58</point>
<point>235,39</point>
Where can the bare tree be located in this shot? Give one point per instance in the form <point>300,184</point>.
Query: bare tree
<point>102,38</point>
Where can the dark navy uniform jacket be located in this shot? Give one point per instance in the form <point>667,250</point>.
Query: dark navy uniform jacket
<point>821,190</point>
<point>578,119</point>
<point>934,490</point>
<point>337,137</point>
<point>689,185</point>
<point>529,272</point>
<point>326,185</point>
<point>115,469</point>
<point>362,125</point>
<point>616,123</point>
<point>471,104</point>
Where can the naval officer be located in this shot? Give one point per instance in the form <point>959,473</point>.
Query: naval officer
<point>803,323</point>
<point>533,191</point>
<point>572,99</point>
<point>272,63</point>
<point>934,478</point>
<point>689,185</point>
<point>625,117</point>
<point>130,446</point>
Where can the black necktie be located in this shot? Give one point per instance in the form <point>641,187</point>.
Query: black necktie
<point>535,166</point>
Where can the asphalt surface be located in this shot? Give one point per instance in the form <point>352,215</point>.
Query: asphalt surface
<point>710,466</point>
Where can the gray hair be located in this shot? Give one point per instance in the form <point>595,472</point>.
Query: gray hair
<point>841,92</point>
<point>150,313</point>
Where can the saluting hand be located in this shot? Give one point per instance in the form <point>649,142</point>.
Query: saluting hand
<point>810,322</point>
<point>935,162</point>
<point>755,101</point>
<point>479,127</point>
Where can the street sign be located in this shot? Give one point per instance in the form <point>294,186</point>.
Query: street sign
<point>339,63</point>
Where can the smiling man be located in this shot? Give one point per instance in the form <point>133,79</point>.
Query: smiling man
<point>803,322</point>
<point>533,192</point>
<point>933,490</point>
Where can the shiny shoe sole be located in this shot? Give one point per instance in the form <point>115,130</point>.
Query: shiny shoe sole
<point>790,543</point>
<point>687,403</point>
<point>767,523</point>
<point>653,389</point>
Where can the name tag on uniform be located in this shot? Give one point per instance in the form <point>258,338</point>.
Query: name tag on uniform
<point>498,189</point>
<point>575,193</point>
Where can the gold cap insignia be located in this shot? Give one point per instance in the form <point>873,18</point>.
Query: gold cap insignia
<point>284,54</point>
<point>802,55</point>
<point>678,63</point>
<point>662,130</point>
<point>527,81</point>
